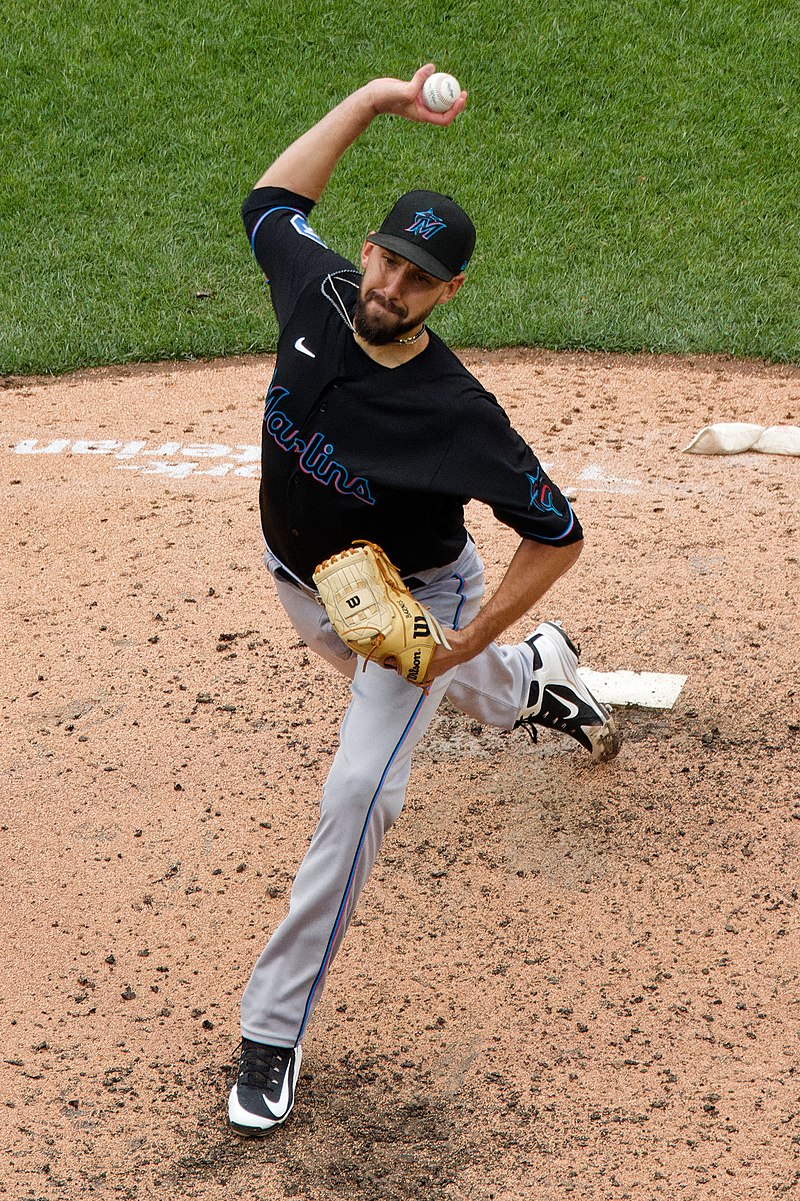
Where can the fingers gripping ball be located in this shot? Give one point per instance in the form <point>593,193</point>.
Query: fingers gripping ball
<point>440,92</point>
<point>373,611</point>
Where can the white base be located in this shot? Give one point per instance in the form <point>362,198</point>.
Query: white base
<point>648,689</point>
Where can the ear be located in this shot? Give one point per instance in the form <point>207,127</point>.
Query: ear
<point>366,250</point>
<point>451,288</point>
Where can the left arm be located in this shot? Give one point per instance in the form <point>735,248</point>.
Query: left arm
<point>532,571</point>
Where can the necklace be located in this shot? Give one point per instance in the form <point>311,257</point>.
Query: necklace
<point>414,338</point>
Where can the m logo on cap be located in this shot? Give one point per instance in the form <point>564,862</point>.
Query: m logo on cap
<point>426,225</point>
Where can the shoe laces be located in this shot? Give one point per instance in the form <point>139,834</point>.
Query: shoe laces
<point>261,1066</point>
<point>527,724</point>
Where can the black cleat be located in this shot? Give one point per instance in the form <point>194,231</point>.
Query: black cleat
<point>263,1094</point>
<point>559,700</point>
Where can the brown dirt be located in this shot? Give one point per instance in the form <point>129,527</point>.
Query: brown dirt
<point>562,980</point>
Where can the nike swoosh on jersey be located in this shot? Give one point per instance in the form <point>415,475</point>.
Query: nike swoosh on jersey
<point>301,346</point>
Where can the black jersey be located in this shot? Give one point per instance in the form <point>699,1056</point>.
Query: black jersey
<point>352,449</point>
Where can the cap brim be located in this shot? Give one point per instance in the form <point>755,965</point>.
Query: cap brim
<point>415,254</point>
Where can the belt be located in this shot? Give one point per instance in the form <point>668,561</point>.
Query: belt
<point>410,581</point>
<point>288,578</point>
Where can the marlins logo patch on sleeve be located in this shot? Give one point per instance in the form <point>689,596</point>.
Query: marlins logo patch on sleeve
<point>544,502</point>
<point>542,495</point>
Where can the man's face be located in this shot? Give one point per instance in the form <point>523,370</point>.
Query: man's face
<point>396,296</point>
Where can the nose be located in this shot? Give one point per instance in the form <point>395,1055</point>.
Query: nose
<point>393,284</point>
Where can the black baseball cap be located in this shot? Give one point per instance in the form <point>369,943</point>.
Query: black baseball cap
<point>430,230</point>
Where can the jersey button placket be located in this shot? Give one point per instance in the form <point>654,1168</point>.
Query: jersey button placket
<point>293,482</point>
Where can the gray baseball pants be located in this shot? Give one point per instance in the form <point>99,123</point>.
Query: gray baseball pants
<point>364,792</point>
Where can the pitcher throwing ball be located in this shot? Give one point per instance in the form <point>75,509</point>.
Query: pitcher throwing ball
<point>374,433</point>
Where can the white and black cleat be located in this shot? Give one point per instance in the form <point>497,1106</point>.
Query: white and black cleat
<point>559,700</point>
<point>263,1095</point>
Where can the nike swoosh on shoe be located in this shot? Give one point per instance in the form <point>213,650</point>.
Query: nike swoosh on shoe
<point>279,1108</point>
<point>572,709</point>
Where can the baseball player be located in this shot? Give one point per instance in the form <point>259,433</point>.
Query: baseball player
<point>373,429</point>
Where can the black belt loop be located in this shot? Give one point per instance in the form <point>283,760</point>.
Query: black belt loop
<point>288,578</point>
<point>284,575</point>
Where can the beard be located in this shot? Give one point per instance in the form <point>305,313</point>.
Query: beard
<point>383,325</point>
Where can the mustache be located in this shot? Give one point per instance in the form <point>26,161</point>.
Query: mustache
<point>398,309</point>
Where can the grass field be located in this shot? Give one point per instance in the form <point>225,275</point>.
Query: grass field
<point>632,169</point>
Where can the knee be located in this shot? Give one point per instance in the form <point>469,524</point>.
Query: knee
<point>357,792</point>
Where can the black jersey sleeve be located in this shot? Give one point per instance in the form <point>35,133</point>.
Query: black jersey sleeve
<point>489,461</point>
<point>286,247</point>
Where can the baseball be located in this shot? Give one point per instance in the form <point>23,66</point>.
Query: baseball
<point>440,92</point>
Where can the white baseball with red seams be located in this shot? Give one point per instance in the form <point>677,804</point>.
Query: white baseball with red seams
<point>440,92</point>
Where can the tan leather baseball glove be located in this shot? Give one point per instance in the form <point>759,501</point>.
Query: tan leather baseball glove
<point>373,611</point>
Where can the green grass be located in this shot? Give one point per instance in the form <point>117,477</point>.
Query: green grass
<point>632,169</point>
